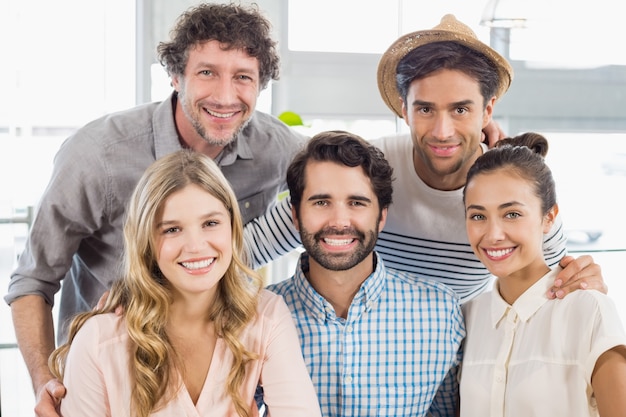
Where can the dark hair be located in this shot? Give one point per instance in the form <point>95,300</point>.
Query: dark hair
<point>523,155</point>
<point>234,26</point>
<point>431,57</point>
<point>347,149</point>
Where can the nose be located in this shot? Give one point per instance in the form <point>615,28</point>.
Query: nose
<point>494,231</point>
<point>443,128</point>
<point>194,241</point>
<point>340,217</point>
<point>224,91</point>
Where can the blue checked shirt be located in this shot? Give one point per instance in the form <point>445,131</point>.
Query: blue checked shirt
<point>397,353</point>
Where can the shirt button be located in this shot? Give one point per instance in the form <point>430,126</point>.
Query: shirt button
<point>349,329</point>
<point>348,380</point>
<point>246,204</point>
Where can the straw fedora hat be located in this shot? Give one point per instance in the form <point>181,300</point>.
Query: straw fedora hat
<point>450,29</point>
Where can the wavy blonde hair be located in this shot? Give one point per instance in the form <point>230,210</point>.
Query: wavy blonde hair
<point>145,297</point>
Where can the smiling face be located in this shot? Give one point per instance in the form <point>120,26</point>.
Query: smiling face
<point>193,241</point>
<point>216,95</point>
<point>339,217</point>
<point>445,114</point>
<point>505,224</point>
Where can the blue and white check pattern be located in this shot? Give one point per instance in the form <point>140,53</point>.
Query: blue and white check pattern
<point>397,352</point>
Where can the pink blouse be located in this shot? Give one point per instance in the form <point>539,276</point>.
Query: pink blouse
<point>98,380</point>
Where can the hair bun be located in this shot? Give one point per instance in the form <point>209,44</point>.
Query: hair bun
<point>536,142</point>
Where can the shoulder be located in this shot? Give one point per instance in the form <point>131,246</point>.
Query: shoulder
<point>482,302</point>
<point>288,292</point>
<point>424,302</point>
<point>271,305</point>
<point>420,288</point>
<point>393,144</point>
<point>588,316</point>
<point>110,131</point>
<point>102,329</point>
<point>583,303</point>
<point>266,125</point>
<point>122,123</point>
<point>282,288</point>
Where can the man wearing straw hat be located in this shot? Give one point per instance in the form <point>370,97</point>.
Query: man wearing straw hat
<point>444,83</point>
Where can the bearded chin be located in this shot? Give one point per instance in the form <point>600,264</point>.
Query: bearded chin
<point>213,141</point>
<point>342,262</point>
<point>200,129</point>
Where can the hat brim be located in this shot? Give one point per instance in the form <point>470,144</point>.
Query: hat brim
<point>402,46</point>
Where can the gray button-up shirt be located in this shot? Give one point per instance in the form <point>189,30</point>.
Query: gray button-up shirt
<point>76,237</point>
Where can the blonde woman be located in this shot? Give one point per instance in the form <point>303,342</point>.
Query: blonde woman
<point>197,333</point>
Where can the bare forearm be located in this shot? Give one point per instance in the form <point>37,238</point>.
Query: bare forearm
<point>34,330</point>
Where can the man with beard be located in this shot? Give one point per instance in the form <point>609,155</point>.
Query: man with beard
<point>219,59</point>
<point>375,340</point>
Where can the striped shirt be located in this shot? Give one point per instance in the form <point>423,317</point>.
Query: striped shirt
<point>424,233</point>
<point>396,354</point>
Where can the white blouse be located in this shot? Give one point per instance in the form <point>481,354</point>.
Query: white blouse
<point>536,357</point>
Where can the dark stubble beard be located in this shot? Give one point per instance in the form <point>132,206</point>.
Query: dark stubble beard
<point>338,262</point>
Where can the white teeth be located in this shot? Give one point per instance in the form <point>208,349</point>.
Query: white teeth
<point>337,242</point>
<point>198,264</point>
<point>220,115</point>
<point>499,253</point>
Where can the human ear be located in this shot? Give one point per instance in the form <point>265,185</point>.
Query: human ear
<point>404,111</point>
<point>294,217</point>
<point>383,219</point>
<point>550,216</point>
<point>175,82</point>
<point>488,113</point>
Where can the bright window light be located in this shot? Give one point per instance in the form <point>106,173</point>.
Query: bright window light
<point>362,26</point>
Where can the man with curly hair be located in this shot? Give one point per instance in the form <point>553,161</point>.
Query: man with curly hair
<point>219,58</point>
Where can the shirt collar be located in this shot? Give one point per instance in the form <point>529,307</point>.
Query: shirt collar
<point>164,128</point>
<point>527,304</point>
<point>239,148</point>
<point>364,300</point>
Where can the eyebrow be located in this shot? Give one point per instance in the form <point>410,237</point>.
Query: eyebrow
<point>328,196</point>
<point>209,65</point>
<point>453,105</point>
<point>501,206</point>
<point>214,213</point>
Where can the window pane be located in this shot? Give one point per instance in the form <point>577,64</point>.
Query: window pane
<point>562,34</point>
<point>364,26</point>
<point>590,175</point>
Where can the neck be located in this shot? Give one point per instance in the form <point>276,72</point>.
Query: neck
<point>339,287</point>
<point>512,286</point>
<point>443,181</point>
